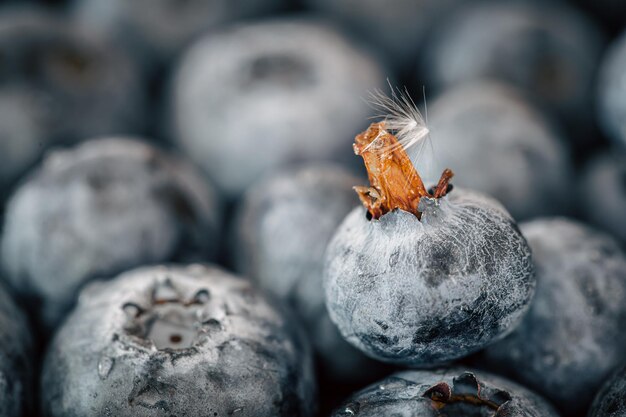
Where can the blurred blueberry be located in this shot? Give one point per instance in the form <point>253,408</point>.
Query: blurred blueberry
<point>284,225</point>
<point>16,361</point>
<point>546,49</point>
<point>498,144</point>
<point>177,341</point>
<point>256,96</point>
<point>22,134</point>
<point>84,87</point>
<point>604,183</point>
<point>452,392</point>
<point>421,292</point>
<point>574,334</point>
<point>611,399</point>
<point>397,28</point>
<point>159,30</point>
<point>99,209</point>
<point>612,92</point>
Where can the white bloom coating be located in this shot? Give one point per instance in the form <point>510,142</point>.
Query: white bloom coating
<point>574,335</point>
<point>256,96</point>
<point>98,209</point>
<point>498,144</point>
<point>244,358</point>
<point>420,293</point>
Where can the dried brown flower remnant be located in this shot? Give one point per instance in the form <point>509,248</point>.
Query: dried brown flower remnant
<point>394,181</point>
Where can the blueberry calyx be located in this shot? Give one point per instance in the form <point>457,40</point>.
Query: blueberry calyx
<point>466,389</point>
<point>172,322</point>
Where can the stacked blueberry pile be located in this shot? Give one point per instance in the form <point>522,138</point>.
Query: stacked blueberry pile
<point>226,208</point>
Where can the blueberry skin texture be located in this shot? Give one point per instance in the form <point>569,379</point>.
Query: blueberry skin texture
<point>83,85</point>
<point>604,183</point>
<point>612,90</point>
<point>99,209</point>
<point>549,50</point>
<point>247,358</point>
<point>409,393</point>
<point>412,21</point>
<point>421,293</point>
<point>16,360</point>
<point>574,334</point>
<point>257,96</point>
<point>610,401</point>
<point>499,144</point>
<point>159,30</point>
<point>283,228</point>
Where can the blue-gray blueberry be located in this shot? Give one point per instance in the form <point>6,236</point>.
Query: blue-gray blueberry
<point>499,144</point>
<point>159,30</point>
<point>545,48</point>
<point>610,401</point>
<point>420,292</point>
<point>574,334</point>
<point>79,84</point>
<point>604,183</point>
<point>612,91</point>
<point>283,227</point>
<point>178,341</point>
<point>398,28</point>
<point>98,209</point>
<point>450,392</point>
<point>17,361</point>
<point>256,96</point>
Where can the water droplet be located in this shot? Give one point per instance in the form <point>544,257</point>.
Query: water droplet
<point>349,411</point>
<point>381,387</point>
<point>105,366</point>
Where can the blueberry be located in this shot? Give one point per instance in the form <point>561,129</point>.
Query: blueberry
<point>256,96</point>
<point>184,341</point>
<point>450,392</point>
<point>549,50</point>
<point>16,360</point>
<point>574,334</point>
<point>82,85</point>
<point>98,209</point>
<point>160,29</point>
<point>411,21</point>
<point>611,399</point>
<point>422,292</point>
<point>604,183</point>
<point>500,145</point>
<point>22,135</point>
<point>284,225</point>
<point>612,91</point>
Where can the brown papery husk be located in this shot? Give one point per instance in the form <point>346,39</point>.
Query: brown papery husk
<point>394,181</point>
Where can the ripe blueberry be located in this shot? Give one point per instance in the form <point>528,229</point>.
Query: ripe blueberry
<point>283,227</point>
<point>498,144</point>
<point>547,49</point>
<point>98,209</point>
<point>184,341</point>
<point>612,92</point>
<point>451,392</point>
<point>256,96</point>
<point>574,334</point>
